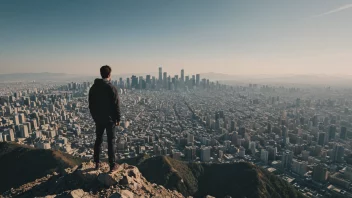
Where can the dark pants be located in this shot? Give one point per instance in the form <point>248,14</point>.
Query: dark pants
<point>110,132</point>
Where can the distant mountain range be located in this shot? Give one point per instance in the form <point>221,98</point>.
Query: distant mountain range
<point>298,79</point>
<point>45,76</point>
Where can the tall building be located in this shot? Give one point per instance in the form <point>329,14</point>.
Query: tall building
<point>134,82</point>
<point>233,125</point>
<point>27,101</point>
<point>242,152</point>
<point>252,146</point>
<point>338,152</point>
<point>128,83</point>
<point>197,79</point>
<point>332,132</point>
<point>34,124</point>
<point>182,75</point>
<point>320,173</point>
<point>190,138</point>
<point>16,119</point>
<point>284,135</point>
<point>10,135</point>
<point>264,156</point>
<point>24,131</point>
<point>321,138</point>
<point>269,128</point>
<point>272,153</point>
<point>286,160</point>
<point>141,82</point>
<point>22,118</point>
<point>187,79</point>
<point>190,152</point>
<point>242,131</point>
<point>348,173</point>
<point>28,127</point>
<point>148,79</point>
<point>205,154</point>
<point>305,155</point>
<point>165,81</point>
<point>160,74</point>
<point>343,133</point>
<point>299,167</point>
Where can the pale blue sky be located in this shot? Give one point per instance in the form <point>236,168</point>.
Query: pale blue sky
<point>225,36</point>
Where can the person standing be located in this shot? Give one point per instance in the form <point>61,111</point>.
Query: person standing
<point>105,110</point>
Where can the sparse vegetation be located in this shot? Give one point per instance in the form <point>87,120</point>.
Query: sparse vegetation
<point>219,180</point>
<point>22,164</point>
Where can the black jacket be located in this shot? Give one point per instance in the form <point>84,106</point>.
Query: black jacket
<point>104,102</point>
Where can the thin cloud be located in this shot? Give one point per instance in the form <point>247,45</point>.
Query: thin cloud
<point>345,7</point>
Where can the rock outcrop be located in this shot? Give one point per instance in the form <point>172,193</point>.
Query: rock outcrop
<point>85,182</point>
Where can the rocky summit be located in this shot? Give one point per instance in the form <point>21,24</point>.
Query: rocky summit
<point>84,181</point>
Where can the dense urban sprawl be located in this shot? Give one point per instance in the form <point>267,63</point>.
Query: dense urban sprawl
<point>301,134</point>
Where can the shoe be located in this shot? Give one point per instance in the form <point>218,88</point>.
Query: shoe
<point>114,168</point>
<point>97,165</point>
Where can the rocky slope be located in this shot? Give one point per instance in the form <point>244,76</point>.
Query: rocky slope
<point>85,182</point>
<point>21,164</point>
<point>28,172</point>
<point>219,180</point>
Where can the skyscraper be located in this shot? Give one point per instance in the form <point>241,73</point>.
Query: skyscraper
<point>16,120</point>
<point>182,75</point>
<point>27,101</point>
<point>286,160</point>
<point>190,138</point>
<point>24,131</point>
<point>205,154</point>
<point>190,153</point>
<point>264,156</point>
<point>338,152</point>
<point>165,81</point>
<point>252,146</point>
<point>197,79</point>
<point>134,82</point>
<point>128,83</point>
<point>242,152</point>
<point>148,79</point>
<point>233,125</point>
<point>22,118</point>
<point>272,152</point>
<point>161,75</point>
<point>343,133</point>
<point>284,135</point>
<point>332,132</point>
<point>321,138</point>
<point>320,173</point>
<point>193,80</point>
<point>299,167</point>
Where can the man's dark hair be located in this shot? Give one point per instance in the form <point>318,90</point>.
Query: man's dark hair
<point>105,71</point>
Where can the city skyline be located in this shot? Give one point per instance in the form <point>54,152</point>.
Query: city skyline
<point>230,37</point>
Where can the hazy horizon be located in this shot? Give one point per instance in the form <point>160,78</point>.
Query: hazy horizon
<point>229,37</point>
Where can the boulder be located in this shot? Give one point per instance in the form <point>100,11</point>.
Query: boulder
<point>128,194</point>
<point>78,193</point>
<point>107,179</point>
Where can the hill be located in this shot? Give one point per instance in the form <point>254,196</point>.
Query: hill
<point>219,180</point>
<point>85,181</point>
<point>30,172</point>
<point>21,164</point>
